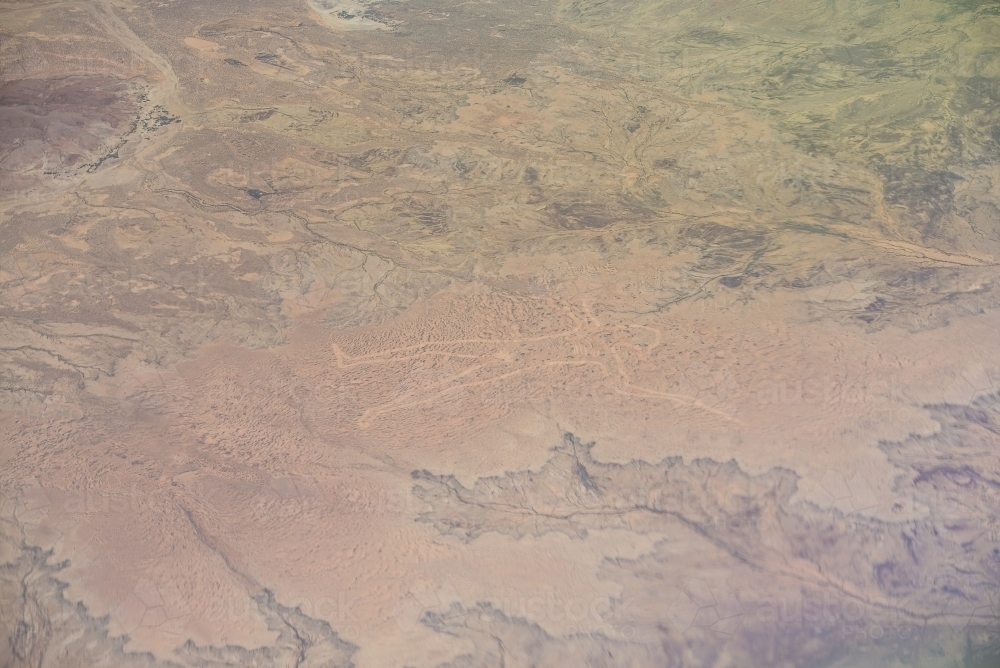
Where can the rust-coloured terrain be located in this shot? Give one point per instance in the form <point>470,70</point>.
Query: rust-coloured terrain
<point>534,333</point>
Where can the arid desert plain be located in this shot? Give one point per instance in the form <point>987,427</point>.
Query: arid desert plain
<point>500,333</point>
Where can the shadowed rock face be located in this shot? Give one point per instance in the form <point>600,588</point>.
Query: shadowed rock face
<point>41,626</point>
<point>915,583</point>
<point>541,333</point>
